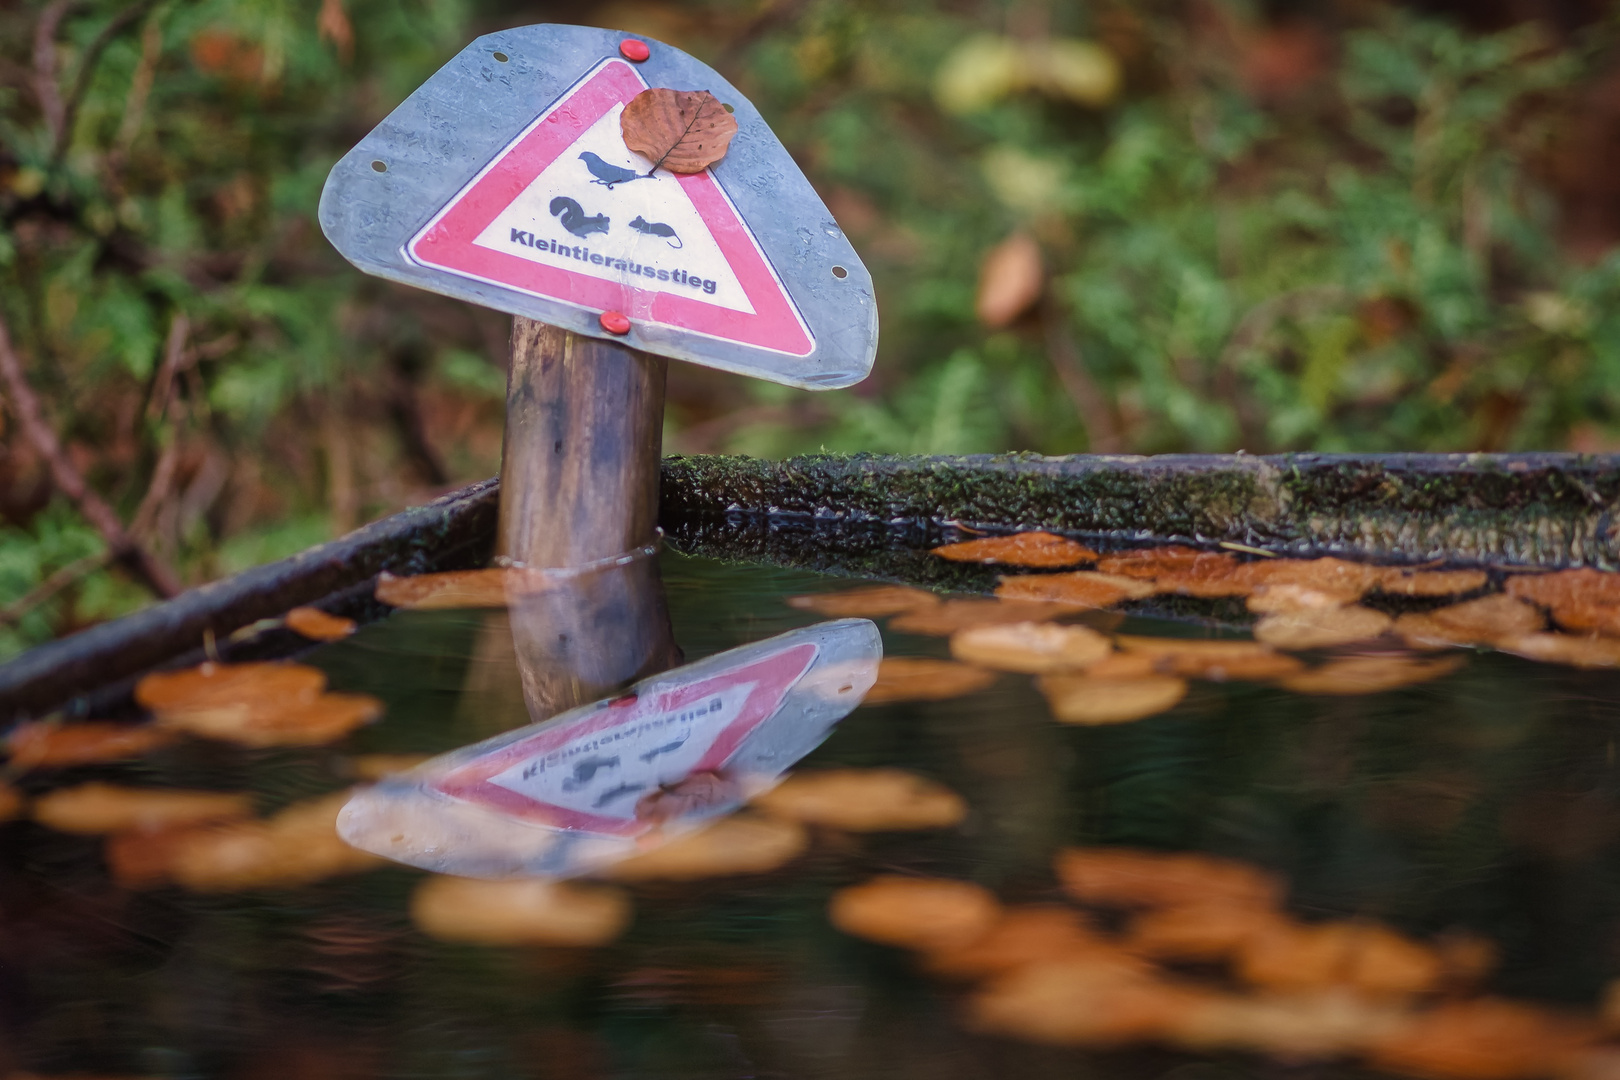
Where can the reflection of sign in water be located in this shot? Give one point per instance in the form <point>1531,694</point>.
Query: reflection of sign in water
<point>591,773</point>
<point>568,212</point>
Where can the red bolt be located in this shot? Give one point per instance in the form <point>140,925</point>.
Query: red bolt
<point>631,49</point>
<point>615,322</point>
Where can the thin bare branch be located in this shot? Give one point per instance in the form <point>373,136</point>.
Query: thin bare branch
<point>1102,429</point>
<point>165,403</point>
<point>87,69</point>
<point>14,612</point>
<point>45,88</point>
<point>154,573</point>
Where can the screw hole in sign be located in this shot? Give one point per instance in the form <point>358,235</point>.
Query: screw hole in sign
<point>379,166</point>
<point>500,57</point>
<point>840,273</point>
<point>634,50</point>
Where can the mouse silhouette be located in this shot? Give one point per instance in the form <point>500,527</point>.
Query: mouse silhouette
<point>656,228</point>
<point>607,174</point>
<point>575,220</point>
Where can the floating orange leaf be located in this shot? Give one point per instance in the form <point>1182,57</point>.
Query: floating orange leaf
<point>519,912</point>
<point>1125,665</point>
<point>1030,647</point>
<point>1581,652</point>
<point>1127,877</point>
<point>258,705</point>
<point>906,678</point>
<point>1321,628</point>
<point>1182,570</point>
<point>103,808</point>
<point>46,744</point>
<point>296,846</point>
<point>954,615</point>
<point>1486,1039</point>
<point>684,131</point>
<point>1285,598</point>
<point>1078,588</point>
<point>491,588</point>
<point>1369,674</point>
<point>317,625</point>
<point>1021,935</point>
<point>864,800</point>
<point>1475,622</point>
<point>914,913</point>
<point>1400,582</point>
<point>739,844</point>
<point>1041,550</point>
<point>1200,932</point>
<point>872,602</point>
<point>1327,574</point>
<point>1087,699</point>
<point>1293,955</point>
<point>1088,1000</point>
<point>1566,588</point>
<point>12,803</point>
<point>1202,658</point>
<point>1293,1026</point>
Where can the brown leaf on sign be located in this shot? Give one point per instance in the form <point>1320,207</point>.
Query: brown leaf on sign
<point>317,625</point>
<point>906,678</point>
<point>1041,550</point>
<point>871,602</point>
<point>684,131</point>
<point>953,615</point>
<point>47,745</point>
<point>1010,281</point>
<point>1369,674</point>
<point>1030,647</point>
<point>864,800</point>
<point>914,913</point>
<point>1078,588</point>
<point>1087,699</point>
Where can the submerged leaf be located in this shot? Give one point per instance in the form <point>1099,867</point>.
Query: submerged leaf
<point>684,131</point>
<point>914,913</point>
<point>104,808</point>
<point>739,844</point>
<point>1369,674</point>
<point>1087,699</point>
<point>47,745</point>
<point>1321,628</point>
<point>317,625</point>
<point>907,678</point>
<point>871,602</point>
<point>864,800</point>
<point>535,912</point>
<point>1030,647</point>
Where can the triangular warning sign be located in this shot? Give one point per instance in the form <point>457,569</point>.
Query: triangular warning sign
<point>568,212</point>
<point>590,772</point>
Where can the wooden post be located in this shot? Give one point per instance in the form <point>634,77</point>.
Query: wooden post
<point>584,432</point>
<point>579,483</point>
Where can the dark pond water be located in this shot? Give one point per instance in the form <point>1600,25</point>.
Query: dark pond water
<point>1485,803</point>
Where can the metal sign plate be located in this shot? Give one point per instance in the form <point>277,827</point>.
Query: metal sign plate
<point>505,181</point>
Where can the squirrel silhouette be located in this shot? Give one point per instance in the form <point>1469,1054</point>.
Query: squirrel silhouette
<point>575,220</point>
<point>656,228</point>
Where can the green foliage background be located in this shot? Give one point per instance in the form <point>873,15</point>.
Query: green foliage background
<point>1334,226</point>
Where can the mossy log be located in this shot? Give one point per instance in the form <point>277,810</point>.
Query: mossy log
<point>1544,510</point>
<point>878,515</point>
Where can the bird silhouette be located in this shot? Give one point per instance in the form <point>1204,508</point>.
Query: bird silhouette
<point>575,219</point>
<point>607,173</point>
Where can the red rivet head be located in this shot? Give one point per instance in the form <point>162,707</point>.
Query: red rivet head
<point>631,49</point>
<point>615,322</point>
